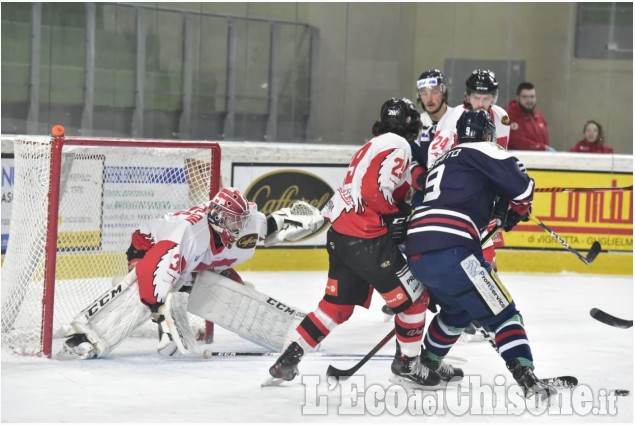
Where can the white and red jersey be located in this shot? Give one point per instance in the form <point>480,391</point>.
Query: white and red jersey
<point>421,146</point>
<point>377,177</point>
<point>445,137</point>
<point>183,242</point>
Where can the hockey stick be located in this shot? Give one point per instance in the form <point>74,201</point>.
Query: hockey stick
<point>610,320</point>
<point>593,251</point>
<point>347,373</point>
<point>208,354</point>
<point>582,189</point>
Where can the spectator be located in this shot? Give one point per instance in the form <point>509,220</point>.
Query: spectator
<point>593,141</point>
<point>528,126</point>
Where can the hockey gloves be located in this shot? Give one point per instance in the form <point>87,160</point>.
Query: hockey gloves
<point>398,223</point>
<point>506,217</point>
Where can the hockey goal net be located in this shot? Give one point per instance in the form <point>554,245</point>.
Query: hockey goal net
<point>76,203</point>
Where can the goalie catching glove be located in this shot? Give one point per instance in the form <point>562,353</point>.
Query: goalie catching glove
<point>293,223</point>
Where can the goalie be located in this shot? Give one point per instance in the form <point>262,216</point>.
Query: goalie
<point>206,241</point>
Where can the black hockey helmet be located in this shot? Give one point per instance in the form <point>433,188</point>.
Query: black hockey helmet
<point>433,78</point>
<point>482,81</point>
<point>398,116</point>
<point>475,126</point>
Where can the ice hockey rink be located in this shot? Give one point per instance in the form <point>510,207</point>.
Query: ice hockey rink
<point>134,384</point>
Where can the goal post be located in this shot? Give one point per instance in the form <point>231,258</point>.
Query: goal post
<point>76,203</point>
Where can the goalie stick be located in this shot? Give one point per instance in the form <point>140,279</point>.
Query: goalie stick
<point>582,189</point>
<point>591,255</point>
<point>609,319</point>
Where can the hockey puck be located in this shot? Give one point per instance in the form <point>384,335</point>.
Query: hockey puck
<point>622,393</point>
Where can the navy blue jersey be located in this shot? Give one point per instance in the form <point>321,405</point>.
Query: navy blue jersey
<point>460,191</point>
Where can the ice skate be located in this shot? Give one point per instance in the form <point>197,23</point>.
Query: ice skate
<point>286,367</point>
<point>79,347</point>
<point>528,381</point>
<point>411,372</point>
<point>446,371</point>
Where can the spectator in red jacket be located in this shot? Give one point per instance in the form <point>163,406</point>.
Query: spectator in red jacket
<point>528,126</point>
<point>593,141</point>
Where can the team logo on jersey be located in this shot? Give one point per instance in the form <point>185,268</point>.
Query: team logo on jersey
<point>514,126</point>
<point>248,241</point>
<point>332,287</point>
<point>505,120</point>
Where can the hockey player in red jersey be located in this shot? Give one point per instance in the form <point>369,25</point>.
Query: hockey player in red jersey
<point>163,255</point>
<point>362,255</point>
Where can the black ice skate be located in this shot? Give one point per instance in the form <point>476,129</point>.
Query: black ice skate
<point>528,381</point>
<point>410,370</point>
<point>286,367</point>
<point>445,370</point>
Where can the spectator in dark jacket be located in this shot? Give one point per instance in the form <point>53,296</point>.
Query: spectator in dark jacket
<point>593,141</point>
<point>528,126</point>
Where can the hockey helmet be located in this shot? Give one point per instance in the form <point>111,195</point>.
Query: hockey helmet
<point>482,81</point>
<point>229,214</point>
<point>475,126</point>
<point>432,78</point>
<point>399,116</point>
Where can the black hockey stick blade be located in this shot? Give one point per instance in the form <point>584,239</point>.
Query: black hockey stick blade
<point>344,374</point>
<point>593,251</point>
<point>610,320</point>
<point>596,248</point>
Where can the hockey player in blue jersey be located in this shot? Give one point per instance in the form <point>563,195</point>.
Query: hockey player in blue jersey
<point>444,245</point>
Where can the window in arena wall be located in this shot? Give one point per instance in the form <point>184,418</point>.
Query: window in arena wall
<point>604,31</point>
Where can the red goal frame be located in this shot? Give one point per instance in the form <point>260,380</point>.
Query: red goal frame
<point>58,144</point>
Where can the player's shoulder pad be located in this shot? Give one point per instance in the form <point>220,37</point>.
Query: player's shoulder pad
<point>449,119</point>
<point>490,149</point>
<point>391,141</point>
<point>501,115</point>
<point>253,207</point>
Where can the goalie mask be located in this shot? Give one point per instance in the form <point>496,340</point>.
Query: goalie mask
<point>229,214</point>
<point>475,126</point>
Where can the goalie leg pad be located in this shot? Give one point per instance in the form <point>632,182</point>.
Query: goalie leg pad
<point>112,317</point>
<point>176,336</point>
<point>251,314</point>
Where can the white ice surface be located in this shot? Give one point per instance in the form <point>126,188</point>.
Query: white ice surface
<point>134,384</point>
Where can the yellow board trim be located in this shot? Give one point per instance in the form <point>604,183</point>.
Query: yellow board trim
<point>512,261</point>
<point>563,261</point>
<point>287,260</point>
